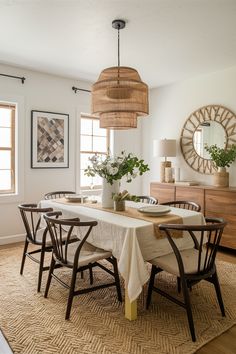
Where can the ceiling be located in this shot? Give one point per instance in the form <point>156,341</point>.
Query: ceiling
<point>165,40</point>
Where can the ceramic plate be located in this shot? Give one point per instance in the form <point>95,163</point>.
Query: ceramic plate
<point>75,197</point>
<point>154,210</point>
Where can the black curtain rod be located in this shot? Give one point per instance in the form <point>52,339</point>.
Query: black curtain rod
<point>15,77</point>
<point>79,89</point>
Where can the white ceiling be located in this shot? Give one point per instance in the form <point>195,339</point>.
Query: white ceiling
<point>165,40</point>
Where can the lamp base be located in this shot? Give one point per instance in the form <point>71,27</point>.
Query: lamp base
<point>163,165</point>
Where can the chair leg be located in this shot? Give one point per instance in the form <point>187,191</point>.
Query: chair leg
<point>24,256</point>
<point>117,279</point>
<point>51,269</point>
<point>179,284</point>
<point>71,294</point>
<point>218,293</point>
<point>41,268</point>
<point>188,309</point>
<point>91,275</point>
<point>150,286</point>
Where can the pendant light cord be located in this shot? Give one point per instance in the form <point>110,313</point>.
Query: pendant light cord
<point>119,46</point>
<point>118,55</point>
<point>118,25</point>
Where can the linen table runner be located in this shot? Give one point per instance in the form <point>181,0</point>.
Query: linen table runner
<point>134,213</point>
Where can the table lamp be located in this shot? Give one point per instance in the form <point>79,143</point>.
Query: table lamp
<point>164,148</point>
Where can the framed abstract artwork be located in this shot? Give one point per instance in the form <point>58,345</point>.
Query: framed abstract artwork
<point>49,140</point>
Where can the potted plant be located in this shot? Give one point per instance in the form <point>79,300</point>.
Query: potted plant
<point>112,169</point>
<point>120,198</point>
<point>221,158</point>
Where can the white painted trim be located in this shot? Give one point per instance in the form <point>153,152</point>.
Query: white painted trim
<point>4,346</point>
<point>77,150</point>
<point>5,240</point>
<point>20,128</point>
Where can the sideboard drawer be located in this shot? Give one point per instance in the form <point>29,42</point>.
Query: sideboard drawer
<point>229,235</point>
<point>223,202</point>
<point>163,193</point>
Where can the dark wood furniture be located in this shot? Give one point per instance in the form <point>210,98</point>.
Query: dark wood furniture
<point>147,199</point>
<point>36,235</point>
<point>214,202</point>
<point>191,265</point>
<point>184,204</point>
<point>77,256</point>
<point>57,194</point>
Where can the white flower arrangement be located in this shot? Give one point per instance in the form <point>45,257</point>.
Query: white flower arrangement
<point>114,168</point>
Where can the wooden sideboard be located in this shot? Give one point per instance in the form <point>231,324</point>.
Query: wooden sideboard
<point>214,201</point>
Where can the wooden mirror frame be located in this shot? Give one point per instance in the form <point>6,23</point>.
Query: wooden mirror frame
<point>220,114</point>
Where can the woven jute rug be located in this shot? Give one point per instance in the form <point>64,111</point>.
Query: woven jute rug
<point>33,324</point>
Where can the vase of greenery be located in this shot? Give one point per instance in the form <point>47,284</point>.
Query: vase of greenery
<point>112,169</point>
<point>120,198</point>
<point>221,158</point>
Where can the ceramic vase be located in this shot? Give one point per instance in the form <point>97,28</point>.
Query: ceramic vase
<point>107,191</point>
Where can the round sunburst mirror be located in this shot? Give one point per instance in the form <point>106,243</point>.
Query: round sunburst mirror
<point>212,124</point>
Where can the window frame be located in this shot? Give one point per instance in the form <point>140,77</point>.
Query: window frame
<point>12,190</point>
<point>89,116</point>
<point>20,147</point>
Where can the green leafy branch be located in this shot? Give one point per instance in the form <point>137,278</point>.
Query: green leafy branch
<point>222,157</point>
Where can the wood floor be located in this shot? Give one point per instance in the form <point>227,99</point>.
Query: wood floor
<point>225,343</point>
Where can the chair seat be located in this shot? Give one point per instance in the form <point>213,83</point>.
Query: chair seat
<point>189,258</point>
<point>88,254</point>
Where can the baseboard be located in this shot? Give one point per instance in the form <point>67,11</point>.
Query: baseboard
<point>4,345</point>
<point>4,240</point>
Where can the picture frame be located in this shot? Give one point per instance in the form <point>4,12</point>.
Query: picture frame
<point>49,139</point>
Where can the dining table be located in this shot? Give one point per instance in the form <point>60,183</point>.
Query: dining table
<point>132,240</point>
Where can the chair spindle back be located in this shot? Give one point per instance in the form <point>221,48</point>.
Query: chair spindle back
<point>32,216</point>
<point>59,227</point>
<point>57,194</point>
<point>206,239</point>
<point>184,205</point>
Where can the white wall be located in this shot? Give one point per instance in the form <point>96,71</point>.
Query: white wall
<point>47,93</point>
<point>130,141</point>
<point>171,105</point>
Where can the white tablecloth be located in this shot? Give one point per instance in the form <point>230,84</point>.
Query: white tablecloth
<point>131,241</point>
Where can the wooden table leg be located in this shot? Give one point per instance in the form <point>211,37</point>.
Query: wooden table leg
<point>130,308</point>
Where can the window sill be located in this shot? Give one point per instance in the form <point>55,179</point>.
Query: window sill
<point>88,191</point>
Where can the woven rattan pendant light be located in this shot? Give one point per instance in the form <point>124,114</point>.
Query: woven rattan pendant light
<point>119,96</point>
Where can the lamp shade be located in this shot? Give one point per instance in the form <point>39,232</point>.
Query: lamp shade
<point>166,148</point>
<point>118,120</point>
<point>119,97</point>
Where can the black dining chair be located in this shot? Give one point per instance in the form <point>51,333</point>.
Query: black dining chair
<point>57,194</point>
<point>184,204</point>
<point>147,199</point>
<point>36,234</point>
<point>77,256</point>
<point>190,265</point>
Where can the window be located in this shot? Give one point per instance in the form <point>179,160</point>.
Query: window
<point>7,148</point>
<point>92,140</point>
